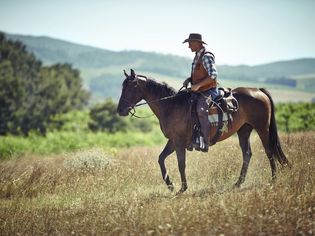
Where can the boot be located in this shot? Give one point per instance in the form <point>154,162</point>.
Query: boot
<point>202,111</point>
<point>195,142</point>
<point>205,129</point>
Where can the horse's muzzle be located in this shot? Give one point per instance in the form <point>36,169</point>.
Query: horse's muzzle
<point>123,111</point>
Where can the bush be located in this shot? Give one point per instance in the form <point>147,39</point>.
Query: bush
<point>104,118</point>
<point>292,117</point>
<point>87,160</point>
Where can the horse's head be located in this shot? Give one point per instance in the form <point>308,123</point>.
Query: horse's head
<point>131,93</point>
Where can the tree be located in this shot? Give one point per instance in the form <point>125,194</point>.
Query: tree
<point>18,71</point>
<point>30,94</point>
<point>105,118</point>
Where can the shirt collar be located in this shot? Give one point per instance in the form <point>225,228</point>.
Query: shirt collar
<point>198,53</point>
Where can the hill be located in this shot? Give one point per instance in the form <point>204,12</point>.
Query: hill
<point>51,51</point>
<point>289,68</point>
<point>102,69</point>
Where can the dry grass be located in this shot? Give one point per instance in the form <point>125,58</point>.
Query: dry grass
<point>94,193</point>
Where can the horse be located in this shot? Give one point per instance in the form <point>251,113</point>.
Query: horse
<point>256,111</point>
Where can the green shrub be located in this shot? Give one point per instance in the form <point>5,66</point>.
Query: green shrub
<point>64,141</point>
<point>293,117</point>
<point>104,117</point>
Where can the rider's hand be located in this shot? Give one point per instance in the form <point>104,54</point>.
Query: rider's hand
<point>195,87</point>
<point>186,82</point>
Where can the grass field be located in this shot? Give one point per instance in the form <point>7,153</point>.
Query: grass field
<point>97,193</point>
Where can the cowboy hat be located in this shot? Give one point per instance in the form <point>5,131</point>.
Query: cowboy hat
<point>194,37</point>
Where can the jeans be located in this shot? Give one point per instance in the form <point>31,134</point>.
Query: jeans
<point>213,92</point>
<point>203,102</point>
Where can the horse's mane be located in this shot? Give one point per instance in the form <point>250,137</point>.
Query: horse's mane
<point>163,90</point>
<point>159,89</point>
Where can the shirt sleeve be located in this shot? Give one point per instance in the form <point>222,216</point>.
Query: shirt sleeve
<point>209,65</point>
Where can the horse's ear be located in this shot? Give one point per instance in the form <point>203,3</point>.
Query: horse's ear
<point>126,74</point>
<point>132,73</point>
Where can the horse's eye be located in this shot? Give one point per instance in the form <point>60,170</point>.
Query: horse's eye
<point>124,84</point>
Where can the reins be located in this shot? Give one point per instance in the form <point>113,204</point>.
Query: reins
<point>160,99</point>
<point>132,112</point>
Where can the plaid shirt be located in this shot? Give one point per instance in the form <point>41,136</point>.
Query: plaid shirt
<point>207,62</point>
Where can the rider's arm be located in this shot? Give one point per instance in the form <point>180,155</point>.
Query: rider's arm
<point>209,64</point>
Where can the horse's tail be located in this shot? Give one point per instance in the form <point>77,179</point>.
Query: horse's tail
<point>273,134</point>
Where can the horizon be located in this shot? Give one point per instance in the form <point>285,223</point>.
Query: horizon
<point>281,31</point>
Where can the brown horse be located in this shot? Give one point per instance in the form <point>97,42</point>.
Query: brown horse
<point>256,111</point>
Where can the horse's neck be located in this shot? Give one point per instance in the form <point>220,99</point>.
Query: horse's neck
<point>154,104</point>
<point>157,102</point>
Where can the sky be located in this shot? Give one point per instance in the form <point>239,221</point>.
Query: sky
<point>238,32</point>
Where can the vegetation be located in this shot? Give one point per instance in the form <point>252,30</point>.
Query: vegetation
<point>75,134</point>
<point>30,94</point>
<point>104,118</point>
<point>104,193</point>
<point>95,127</point>
<point>62,141</point>
<point>292,117</point>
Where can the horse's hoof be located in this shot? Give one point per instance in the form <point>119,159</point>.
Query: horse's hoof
<point>170,187</point>
<point>237,185</point>
<point>181,191</point>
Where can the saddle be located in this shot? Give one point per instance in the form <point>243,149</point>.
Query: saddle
<point>225,100</point>
<point>220,116</point>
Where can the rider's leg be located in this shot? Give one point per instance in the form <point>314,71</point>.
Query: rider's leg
<point>202,111</point>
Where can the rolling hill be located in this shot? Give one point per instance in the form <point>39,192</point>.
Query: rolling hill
<point>102,69</point>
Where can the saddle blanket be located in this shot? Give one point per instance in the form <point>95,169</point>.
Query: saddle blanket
<point>214,118</point>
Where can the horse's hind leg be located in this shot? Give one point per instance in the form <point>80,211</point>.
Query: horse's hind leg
<point>265,139</point>
<point>168,149</point>
<point>243,136</point>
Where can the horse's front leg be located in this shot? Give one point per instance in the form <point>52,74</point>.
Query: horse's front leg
<point>168,149</point>
<point>181,159</point>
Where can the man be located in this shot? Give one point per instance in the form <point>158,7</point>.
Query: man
<point>203,82</point>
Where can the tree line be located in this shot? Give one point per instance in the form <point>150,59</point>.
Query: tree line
<point>30,93</point>
<point>33,96</point>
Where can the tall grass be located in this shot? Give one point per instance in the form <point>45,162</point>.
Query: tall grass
<point>98,193</point>
<point>61,141</point>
